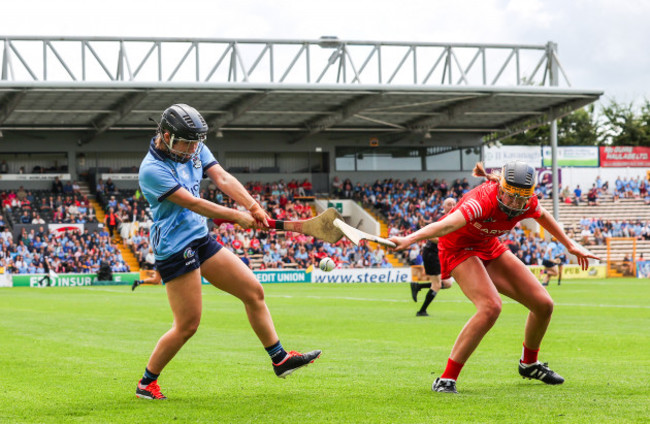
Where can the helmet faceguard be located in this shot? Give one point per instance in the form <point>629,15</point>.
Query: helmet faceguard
<point>516,187</point>
<point>181,150</point>
<point>187,131</point>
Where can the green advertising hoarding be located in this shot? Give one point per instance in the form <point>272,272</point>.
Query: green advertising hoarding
<point>71,280</point>
<point>336,205</point>
<point>572,156</point>
<point>279,276</point>
<point>290,276</point>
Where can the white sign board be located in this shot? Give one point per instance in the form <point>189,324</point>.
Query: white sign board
<point>120,177</point>
<point>496,157</point>
<point>362,275</point>
<point>33,177</point>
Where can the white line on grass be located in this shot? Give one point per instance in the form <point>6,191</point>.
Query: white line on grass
<point>105,289</point>
<point>602,305</point>
<point>366,299</point>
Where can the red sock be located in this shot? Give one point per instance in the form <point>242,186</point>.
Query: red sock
<point>452,370</point>
<point>529,356</point>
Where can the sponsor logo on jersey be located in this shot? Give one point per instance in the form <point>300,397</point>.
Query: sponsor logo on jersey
<point>487,231</point>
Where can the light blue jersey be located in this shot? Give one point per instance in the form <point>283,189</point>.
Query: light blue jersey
<point>174,226</point>
<point>559,250</point>
<point>549,252</point>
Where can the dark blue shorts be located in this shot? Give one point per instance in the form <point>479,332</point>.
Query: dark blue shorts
<point>188,259</point>
<point>548,264</point>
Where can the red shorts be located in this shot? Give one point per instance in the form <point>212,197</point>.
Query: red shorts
<point>451,258</point>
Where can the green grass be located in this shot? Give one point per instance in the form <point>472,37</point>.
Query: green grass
<point>75,355</point>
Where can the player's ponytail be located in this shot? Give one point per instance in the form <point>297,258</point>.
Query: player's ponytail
<point>479,172</point>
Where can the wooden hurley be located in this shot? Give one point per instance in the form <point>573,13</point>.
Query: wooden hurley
<point>320,226</point>
<point>356,236</point>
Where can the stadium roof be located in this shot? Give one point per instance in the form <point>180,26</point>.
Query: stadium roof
<point>301,108</point>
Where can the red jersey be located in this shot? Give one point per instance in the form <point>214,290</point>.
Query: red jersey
<point>236,244</point>
<point>485,220</point>
<point>485,223</point>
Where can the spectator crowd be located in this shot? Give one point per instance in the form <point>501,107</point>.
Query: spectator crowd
<point>405,205</point>
<point>69,251</point>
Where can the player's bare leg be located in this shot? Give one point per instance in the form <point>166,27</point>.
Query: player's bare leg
<point>513,279</point>
<point>184,294</point>
<point>475,282</point>
<point>550,272</point>
<point>227,272</point>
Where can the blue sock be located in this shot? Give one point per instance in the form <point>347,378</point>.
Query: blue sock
<point>148,377</point>
<point>276,352</point>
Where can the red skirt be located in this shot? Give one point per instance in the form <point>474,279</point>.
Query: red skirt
<point>485,251</point>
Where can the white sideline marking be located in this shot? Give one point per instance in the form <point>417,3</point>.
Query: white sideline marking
<point>106,290</point>
<point>365,299</point>
<point>602,305</point>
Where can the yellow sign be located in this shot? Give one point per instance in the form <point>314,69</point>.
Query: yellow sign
<point>574,271</point>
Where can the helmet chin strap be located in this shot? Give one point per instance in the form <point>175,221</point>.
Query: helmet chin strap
<point>178,155</point>
<point>512,213</point>
<point>171,153</point>
<point>171,143</point>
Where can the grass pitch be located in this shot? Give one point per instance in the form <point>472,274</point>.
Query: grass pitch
<point>75,355</point>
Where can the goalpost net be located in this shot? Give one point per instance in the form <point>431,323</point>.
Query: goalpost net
<point>621,255</point>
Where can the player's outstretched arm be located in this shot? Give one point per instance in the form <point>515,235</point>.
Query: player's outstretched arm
<point>447,225</point>
<point>549,223</point>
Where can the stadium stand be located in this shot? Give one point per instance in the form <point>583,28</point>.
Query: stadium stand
<point>69,251</point>
<point>625,217</point>
<point>399,206</point>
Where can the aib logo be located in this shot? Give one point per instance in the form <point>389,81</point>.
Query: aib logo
<point>188,253</point>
